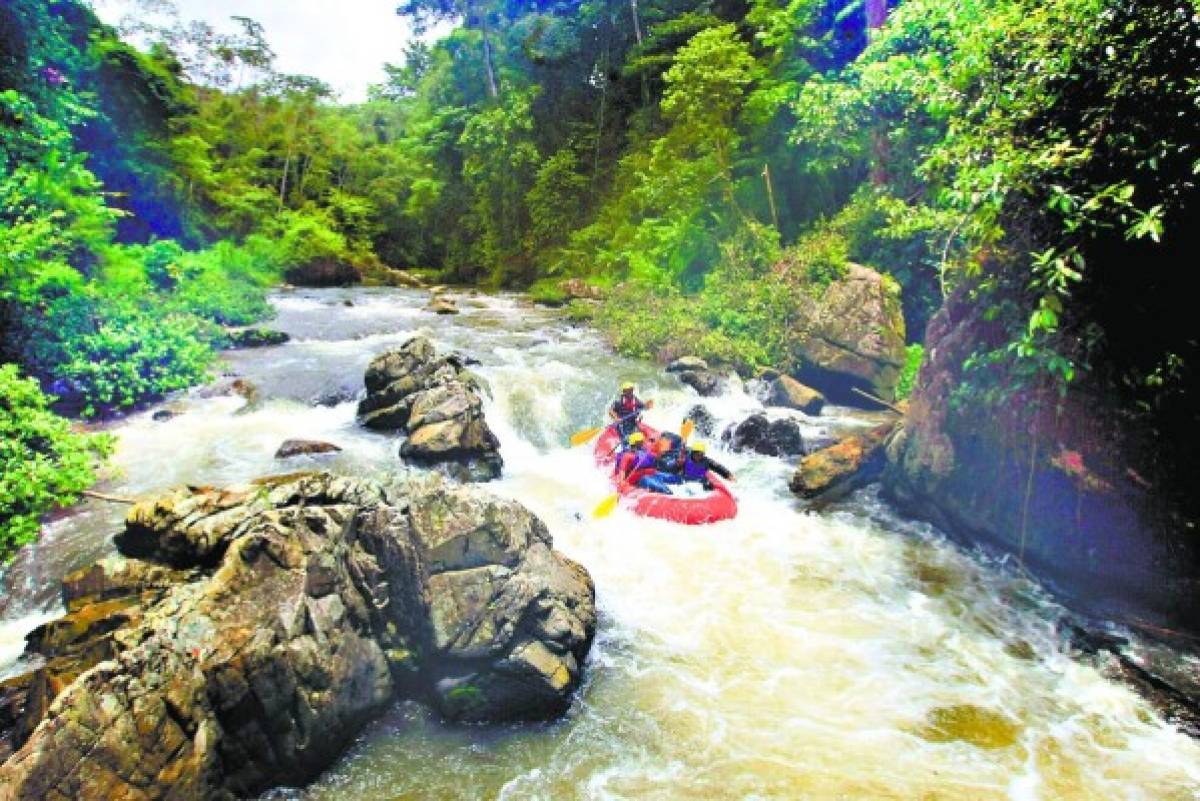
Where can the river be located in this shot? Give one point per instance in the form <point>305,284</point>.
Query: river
<point>781,655</point>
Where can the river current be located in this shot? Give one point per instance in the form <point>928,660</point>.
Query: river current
<point>786,654</point>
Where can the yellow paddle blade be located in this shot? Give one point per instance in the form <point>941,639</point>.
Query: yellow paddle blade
<point>605,507</point>
<point>585,435</point>
<point>685,430</point>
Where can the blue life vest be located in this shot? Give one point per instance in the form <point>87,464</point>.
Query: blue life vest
<point>694,471</point>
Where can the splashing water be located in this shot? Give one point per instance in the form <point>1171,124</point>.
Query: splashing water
<point>779,655</point>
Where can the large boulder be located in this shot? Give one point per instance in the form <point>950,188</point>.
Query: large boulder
<point>832,472</point>
<point>331,599</point>
<point>705,382</point>
<point>758,433</point>
<point>789,393</point>
<point>687,364</point>
<point>851,336</point>
<point>438,403</point>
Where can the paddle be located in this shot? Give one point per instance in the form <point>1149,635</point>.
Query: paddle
<point>605,507</point>
<point>580,437</point>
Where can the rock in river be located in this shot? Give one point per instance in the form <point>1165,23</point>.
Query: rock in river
<point>298,447</point>
<point>255,337</point>
<point>789,393</point>
<point>260,627</point>
<point>757,433</point>
<point>687,363</point>
<point>438,403</point>
<point>705,382</point>
<point>834,471</point>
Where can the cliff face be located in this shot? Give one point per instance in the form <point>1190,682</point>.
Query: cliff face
<point>1044,478</point>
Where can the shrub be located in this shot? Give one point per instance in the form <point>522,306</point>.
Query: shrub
<point>914,355</point>
<point>43,463</point>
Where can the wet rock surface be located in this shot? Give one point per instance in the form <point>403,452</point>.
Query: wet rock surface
<point>789,393</point>
<point>706,383</point>
<point>302,447</point>
<point>255,337</point>
<point>439,404</point>
<point>440,304</point>
<point>758,433</point>
<point>702,419</point>
<point>266,623</point>
<point>832,472</point>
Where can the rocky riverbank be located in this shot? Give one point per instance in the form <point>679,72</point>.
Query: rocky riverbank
<point>246,635</point>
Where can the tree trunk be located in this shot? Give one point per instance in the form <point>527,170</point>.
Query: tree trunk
<point>287,166</point>
<point>637,35</point>
<point>637,23</point>
<point>488,66</point>
<point>877,15</point>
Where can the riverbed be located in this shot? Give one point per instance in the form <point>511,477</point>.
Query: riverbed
<point>781,655</point>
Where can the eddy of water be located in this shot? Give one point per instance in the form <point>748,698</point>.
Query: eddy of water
<point>780,655</point>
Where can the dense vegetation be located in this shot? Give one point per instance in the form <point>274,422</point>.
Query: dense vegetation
<point>722,155</point>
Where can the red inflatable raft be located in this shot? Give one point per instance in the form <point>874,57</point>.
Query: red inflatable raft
<point>693,511</point>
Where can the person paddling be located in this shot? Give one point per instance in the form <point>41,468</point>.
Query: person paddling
<point>626,411</point>
<point>696,466</point>
<point>637,465</point>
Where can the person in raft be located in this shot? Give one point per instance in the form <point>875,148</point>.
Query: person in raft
<point>697,464</point>
<point>626,410</point>
<point>637,465</point>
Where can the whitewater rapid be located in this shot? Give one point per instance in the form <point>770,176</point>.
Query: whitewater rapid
<point>781,655</point>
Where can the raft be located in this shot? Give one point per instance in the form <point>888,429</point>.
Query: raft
<point>709,507</point>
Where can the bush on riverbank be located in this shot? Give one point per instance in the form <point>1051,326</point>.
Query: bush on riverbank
<point>43,462</point>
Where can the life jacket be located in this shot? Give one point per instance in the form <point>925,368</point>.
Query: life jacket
<point>693,470</point>
<point>634,460</point>
<point>671,459</point>
<point>626,406</point>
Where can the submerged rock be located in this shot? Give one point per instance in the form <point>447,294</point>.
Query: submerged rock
<point>834,471</point>
<point>438,403</point>
<point>336,396</point>
<point>330,599</point>
<point>757,433</point>
<point>299,447</point>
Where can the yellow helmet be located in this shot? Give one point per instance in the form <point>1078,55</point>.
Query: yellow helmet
<point>627,386</point>
<point>697,447</point>
<point>636,437</point>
